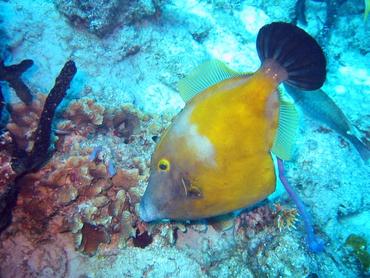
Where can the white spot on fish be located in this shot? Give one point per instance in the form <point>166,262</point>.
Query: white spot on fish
<point>202,146</point>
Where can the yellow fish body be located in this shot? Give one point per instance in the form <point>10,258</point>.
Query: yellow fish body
<point>215,157</point>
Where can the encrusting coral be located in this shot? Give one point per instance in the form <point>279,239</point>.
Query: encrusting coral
<point>76,192</point>
<point>82,116</point>
<point>24,121</point>
<point>250,222</point>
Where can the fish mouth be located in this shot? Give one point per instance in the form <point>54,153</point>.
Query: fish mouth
<point>147,211</point>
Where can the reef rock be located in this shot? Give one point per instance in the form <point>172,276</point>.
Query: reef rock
<point>101,17</point>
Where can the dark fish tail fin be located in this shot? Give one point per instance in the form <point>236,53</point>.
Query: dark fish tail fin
<point>295,51</point>
<point>361,147</point>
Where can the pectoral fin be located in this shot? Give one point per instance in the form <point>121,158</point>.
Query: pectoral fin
<point>288,126</point>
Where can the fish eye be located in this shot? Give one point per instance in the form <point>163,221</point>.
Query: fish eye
<point>164,165</point>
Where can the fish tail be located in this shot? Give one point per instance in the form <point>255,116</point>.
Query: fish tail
<point>296,52</point>
<point>361,147</point>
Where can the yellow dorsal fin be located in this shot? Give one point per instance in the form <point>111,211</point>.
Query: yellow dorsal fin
<point>204,76</point>
<point>288,126</point>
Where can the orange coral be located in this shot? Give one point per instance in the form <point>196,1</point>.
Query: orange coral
<point>81,117</point>
<point>125,121</point>
<point>285,217</point>
<point>125,178</point>
<point>24,121</point>
<point>78,193</point>
<point>72,194</point>
<point>85,111</point>
<point>92,236</point>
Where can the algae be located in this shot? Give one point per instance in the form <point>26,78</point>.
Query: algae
<point>359,246</point>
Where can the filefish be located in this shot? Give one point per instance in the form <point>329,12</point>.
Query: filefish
<point>216,155</point>
<point>319,106</point>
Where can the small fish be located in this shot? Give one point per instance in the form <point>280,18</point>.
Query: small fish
<point>319,106</point>
<point>111,169</point>
<point>215,157</point>
<point>95,152</point>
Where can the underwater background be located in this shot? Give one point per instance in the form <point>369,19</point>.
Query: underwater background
<point>73,212</point>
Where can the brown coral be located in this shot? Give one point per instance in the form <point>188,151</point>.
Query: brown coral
<point>273,218</point>
<point>125,179</point>
<point>92,236</point>
<point>74,195</point>
<point>81,117</point>
<point>125,121</point>
<point>24,121</point>
<point>85,111</point>
<point>7,174</point>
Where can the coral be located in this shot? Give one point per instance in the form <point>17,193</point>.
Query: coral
<point>24,120</point>
<point>356,242</point>
<point>85,111</point>
<point>285,218</point>
<point>89,191</point>
<point>7,182</point>
<point>81,117</point>
<point>78,196</point>
<point>84,117</point>
<point>125,179</point>
<point>7,173</point>
<point>277,218</point>
<point>125,121</point>
<point>92,236</point>
<point>40,152</point>
<point>359,247</point>
<point>254,221</point>
<point>12,74</point>
<point>100,17</point>
<point>22,162</point>
<point>222,223</point>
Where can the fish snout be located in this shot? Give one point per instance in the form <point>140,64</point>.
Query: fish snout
<point>147,211</point>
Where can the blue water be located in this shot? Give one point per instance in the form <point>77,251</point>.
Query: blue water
<point>75,210</point>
